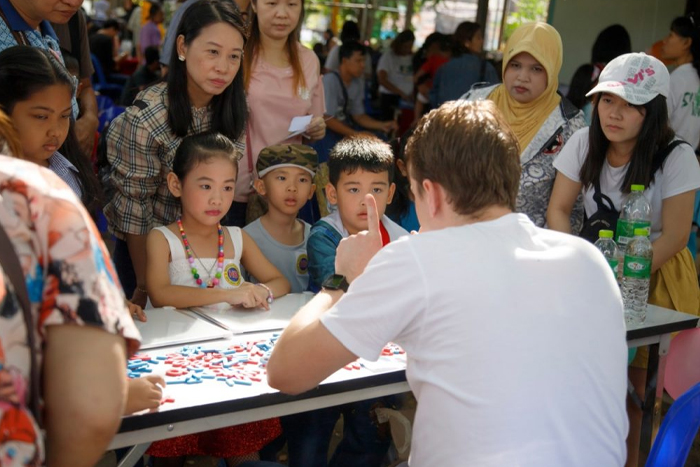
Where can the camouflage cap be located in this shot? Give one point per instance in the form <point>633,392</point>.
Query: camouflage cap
<point>287,155</point>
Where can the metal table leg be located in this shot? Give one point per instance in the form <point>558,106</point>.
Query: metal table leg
<point>653,393</point>
<point>134,454</point>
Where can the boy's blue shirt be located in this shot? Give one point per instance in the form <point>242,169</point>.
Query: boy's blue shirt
<point>321,246</point>
<point>324,239</point>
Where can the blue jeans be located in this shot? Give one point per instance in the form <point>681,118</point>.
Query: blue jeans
<point>309,434</point>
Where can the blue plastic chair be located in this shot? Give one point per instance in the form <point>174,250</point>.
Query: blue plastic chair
<point>106,111</point>
<point>677,432</point>
<point>101,84</point>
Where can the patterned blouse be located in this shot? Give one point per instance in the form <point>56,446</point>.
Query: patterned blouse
<point>140,148</point>
<point>538,173</point>
<point>69,278</point>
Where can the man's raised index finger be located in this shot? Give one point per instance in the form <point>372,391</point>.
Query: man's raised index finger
<point>372,215</point>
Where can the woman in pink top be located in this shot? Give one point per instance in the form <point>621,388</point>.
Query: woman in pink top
<point>283,81</point>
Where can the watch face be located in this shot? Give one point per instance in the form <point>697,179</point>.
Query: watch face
<point>336,282</point>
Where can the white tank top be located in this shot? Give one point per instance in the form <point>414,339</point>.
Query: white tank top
<point>180,270</point>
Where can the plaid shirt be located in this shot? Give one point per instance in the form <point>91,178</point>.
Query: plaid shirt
<point>140,150</point>
<point>45,38</point>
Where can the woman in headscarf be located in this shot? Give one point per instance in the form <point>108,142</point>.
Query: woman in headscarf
<point>541,119</point>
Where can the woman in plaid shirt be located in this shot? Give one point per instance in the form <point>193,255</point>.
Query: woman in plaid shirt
<point>203,91</point>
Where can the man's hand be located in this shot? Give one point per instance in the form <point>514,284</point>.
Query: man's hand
<point>355,251</point>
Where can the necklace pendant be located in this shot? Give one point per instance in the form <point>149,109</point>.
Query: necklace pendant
<point>210,285</point>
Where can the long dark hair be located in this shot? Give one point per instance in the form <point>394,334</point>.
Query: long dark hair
<point>581,83</point>
<point>465,32</point>
<point>229,109</point>
<point>611,42</point>
<point>684,26</point>
<point>253,47</point>
<point>654,136</point>
<point>26,70</point>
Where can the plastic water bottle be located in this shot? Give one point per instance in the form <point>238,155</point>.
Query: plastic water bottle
<point>608,247</point>
<point>635,214</point>
<point>636,275</point>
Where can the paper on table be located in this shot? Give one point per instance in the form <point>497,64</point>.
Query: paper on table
<point>300,123</point>
<point>241,321</point>
<point>168,326</point>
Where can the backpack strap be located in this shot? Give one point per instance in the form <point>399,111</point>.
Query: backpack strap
<point>660,157</point>
<point>13,270</point>
<point>345,98</point>
<point>19,36</point>
<point>599,197</point>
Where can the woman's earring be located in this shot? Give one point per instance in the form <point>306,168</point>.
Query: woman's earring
<point>181,58</point>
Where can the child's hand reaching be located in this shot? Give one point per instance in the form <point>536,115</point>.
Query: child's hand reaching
<point>144,393</point>
<point>249,295</point>
<point>136,311</point>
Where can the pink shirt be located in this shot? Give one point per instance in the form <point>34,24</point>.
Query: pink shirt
<point>273,104</point>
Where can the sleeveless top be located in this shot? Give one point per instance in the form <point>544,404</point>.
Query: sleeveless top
<point>180,270</point>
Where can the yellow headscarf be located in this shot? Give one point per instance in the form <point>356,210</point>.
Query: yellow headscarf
<point>543,42</point>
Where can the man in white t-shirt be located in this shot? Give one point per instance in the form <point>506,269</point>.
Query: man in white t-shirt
<point>515,335</point>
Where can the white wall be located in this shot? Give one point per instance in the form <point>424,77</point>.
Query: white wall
<point>580,21</point>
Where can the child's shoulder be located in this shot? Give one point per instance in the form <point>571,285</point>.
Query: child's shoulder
<point>330,222</point>
<point>163,233</point>
<point>159,231</point>
<point>254,228</point>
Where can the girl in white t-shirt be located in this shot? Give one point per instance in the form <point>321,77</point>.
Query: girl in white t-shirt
<point>682,48</point>
<point>629,128</point>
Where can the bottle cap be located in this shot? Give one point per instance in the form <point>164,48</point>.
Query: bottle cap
<point>643,232</point>
<point>637,188</point>
<point>605,234</point>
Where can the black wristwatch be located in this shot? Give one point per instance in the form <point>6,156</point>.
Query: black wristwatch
<point>336,282</point>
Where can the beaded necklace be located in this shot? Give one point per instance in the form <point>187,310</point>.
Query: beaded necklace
<point>213,281</point>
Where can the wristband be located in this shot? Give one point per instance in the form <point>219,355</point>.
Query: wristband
<point>270,297</point>
<point>142,289</point>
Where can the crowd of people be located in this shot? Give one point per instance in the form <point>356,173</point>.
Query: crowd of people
<point>214,202</point>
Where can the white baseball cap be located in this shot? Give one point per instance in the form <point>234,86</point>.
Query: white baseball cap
<point>637,78</point>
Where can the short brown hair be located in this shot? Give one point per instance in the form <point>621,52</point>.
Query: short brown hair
<point>469,149</point>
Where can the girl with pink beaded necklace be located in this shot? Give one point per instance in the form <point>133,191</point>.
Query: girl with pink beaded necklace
<point>195,262</point>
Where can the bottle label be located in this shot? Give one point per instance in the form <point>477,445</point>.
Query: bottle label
<point>637,267</point>
<point>614,263</point>
<point>625,230</point>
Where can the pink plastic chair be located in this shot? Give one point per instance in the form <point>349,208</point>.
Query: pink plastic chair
<point>683,363</point>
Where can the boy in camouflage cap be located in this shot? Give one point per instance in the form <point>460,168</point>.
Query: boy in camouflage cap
<point>287,155</point>
<point>285,182</point>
